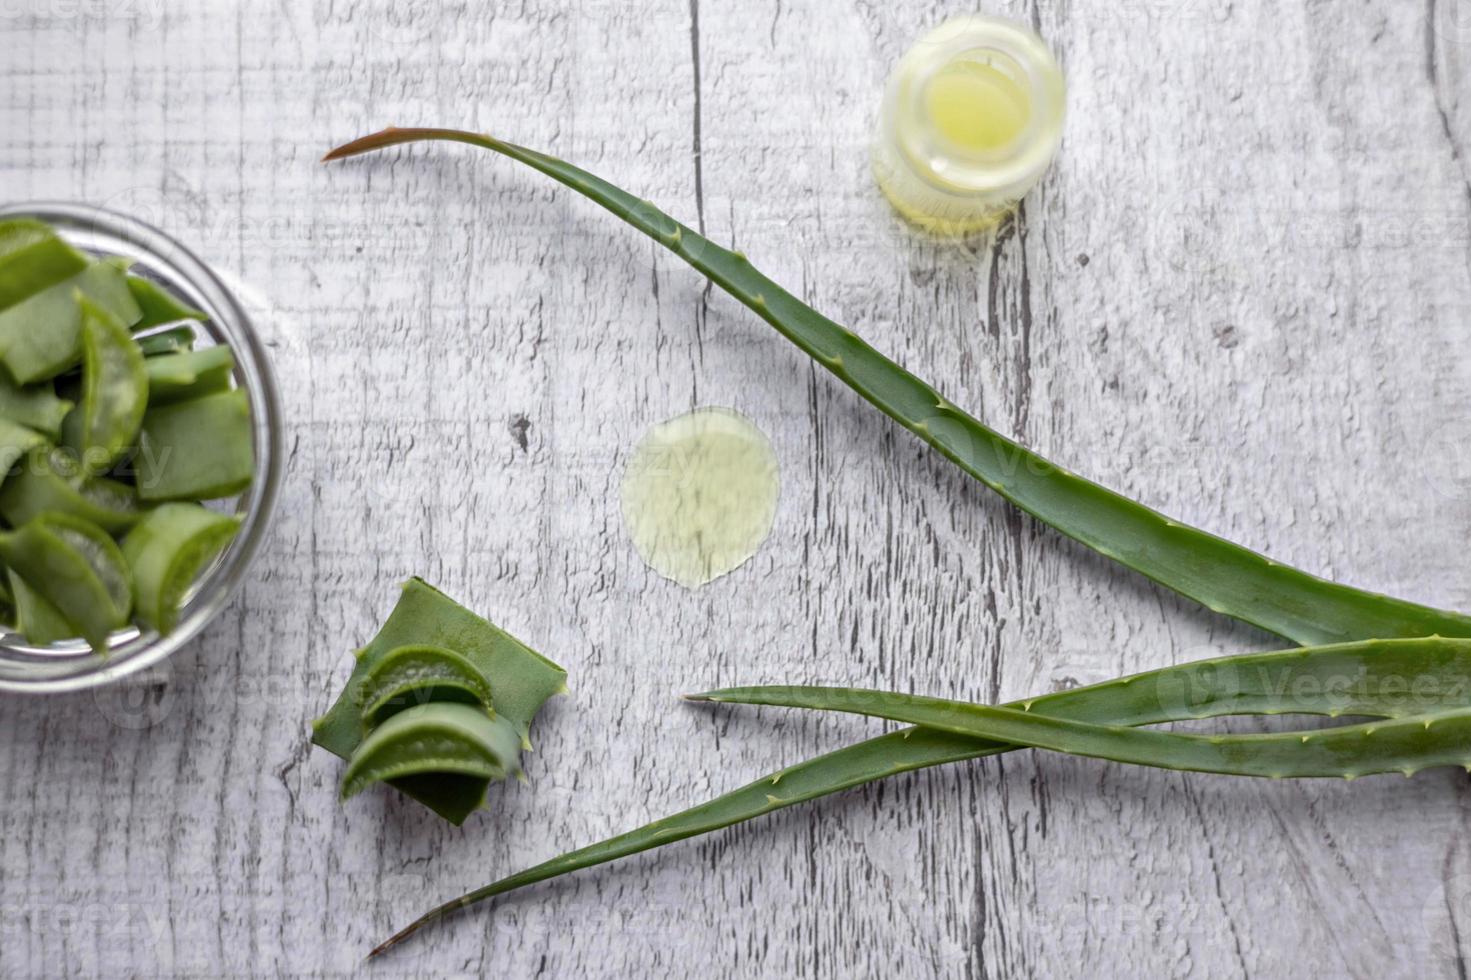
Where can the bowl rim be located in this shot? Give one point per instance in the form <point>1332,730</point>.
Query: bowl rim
<point>70,666</point>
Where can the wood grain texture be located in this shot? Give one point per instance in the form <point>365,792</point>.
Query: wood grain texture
<point>1242,295</point>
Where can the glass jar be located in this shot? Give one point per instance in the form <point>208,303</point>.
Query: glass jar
<point>971,118</point>
<point>72,665</point>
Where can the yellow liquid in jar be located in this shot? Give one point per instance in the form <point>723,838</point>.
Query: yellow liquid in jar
<point>699,495</point>
<point>977,107</point>
<point>971,118</point>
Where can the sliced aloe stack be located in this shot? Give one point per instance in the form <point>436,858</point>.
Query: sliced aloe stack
<point>432,647</point>
<point>440,739</point>
<point>200,449</point>
<point>33,258</point>
<point>167,551</point>
<point>189,374</point>
<point>157,306</point>
<point>37,619</point>
<point>76,567</point>
<point>50,480</point>
<point>414,675</point>
<point>114,388</point>
<point>36,406</point>
<point>41,337</point>
<point>15,442</point>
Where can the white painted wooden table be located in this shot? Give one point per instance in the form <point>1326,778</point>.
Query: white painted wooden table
<point>1242,295</point>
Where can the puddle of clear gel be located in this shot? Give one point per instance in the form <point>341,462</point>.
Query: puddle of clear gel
<point>699,495</point>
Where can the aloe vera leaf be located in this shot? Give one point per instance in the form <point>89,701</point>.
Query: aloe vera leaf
<point>1223,576</point>
<point>190,374</point>
<point>521,679</point>
<point>157,306</point>
<point>77,567</point>
<point>50,480</point>
<point>33,257</point>
<point>199,449</point>
<point>41,337</point>
<point>33,406</point>
<point>114,388</point>
<point>418,675</point>
<point>1406,745</point>
<point>103,556</point>
<point>15,442</point>
<point>1308,681</point>
<point>167,551</point>
<point>36,619</point>
<point>171,341</point>
<point>445,740</point>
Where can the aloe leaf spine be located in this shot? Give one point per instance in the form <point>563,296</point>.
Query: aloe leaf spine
<point>1220,575</point>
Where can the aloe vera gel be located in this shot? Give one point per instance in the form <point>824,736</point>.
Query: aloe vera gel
<point>971,119</point>
<point>699,495</point>
<point>113,429</point>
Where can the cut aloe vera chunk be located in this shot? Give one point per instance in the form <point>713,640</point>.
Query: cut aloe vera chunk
<point>50,480</point>
<point>170,341</point>
<point>166,553</point>
<point>157,305</point>
<point>15,442</point>
<point>520,678</point>
<point>114,388</point>
<point>74,565</point>
<point>451,742</point>
<point>41,337</point>
<point>32,258</point>
<point>7,602</point>
<point>196,450</point>
<point>33,406</point>
<point>415,675</point>
<point>179,377</point>
<point>36,619</point>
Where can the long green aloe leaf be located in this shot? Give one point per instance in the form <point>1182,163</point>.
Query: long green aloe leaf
<point>1221,575</point>
<point>1405,745</point>
<point>1329,680</point>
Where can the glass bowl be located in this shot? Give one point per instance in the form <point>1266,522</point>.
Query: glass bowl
<point>72,666</point>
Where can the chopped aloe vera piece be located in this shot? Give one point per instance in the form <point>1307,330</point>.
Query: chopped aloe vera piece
<point>78,568</point>
<point>33,257</point>
<point>7,601</point>
<point>200,449</point>
<point>170,341</point>
<point>51,481</point>
<point>41,337</point>
<point>167,551</point>
<point>521,679</point>
<point>15,442</point>
<point>33,406</point>
<point>416,675</point>
<point>70,437</point>
<point>158,305</point>
<point>452,742</point>
<point>36,619</point>
<point>178,377</point>
<point>102,554</point>
<point>114,388</point>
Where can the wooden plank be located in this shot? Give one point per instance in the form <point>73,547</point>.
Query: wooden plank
<point>1240,295</point>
